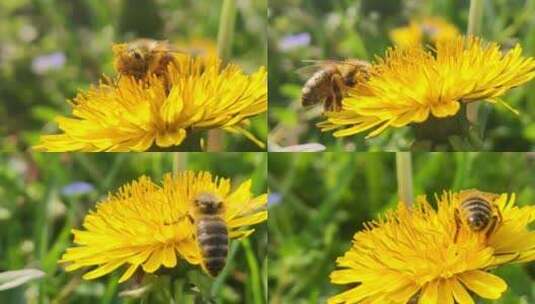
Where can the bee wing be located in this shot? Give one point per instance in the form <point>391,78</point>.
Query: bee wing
<point>349,61</point>
<point>159,46</point>
<point>190,50</point>
<point>316,64</point>
<point>322,61</point>
<point>307,71</point>
<point>169,48</point>
<point>313,66</point>
<point>357,63</point>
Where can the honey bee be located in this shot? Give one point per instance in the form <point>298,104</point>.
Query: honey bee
<point>478,211</point>
<point>212,233</point>
<point>143,57</point>
<point>329,83</point>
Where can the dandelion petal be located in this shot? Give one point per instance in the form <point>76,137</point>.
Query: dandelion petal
<point>128,273</point>
<point>103,270</point>
<point>169,257</point>
<point>154,261</point>
<point>459,292</point>
<point>445,294</point>
<point>484,284</point>
<point>168,139</point>
<point>430,293</point>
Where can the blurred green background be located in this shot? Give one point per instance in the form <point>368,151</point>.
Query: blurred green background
<point>44,195</point>
<point>51,49</point>
<point>315,29</point>
<point>319,201</point>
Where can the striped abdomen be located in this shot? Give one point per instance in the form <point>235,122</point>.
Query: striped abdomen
<point>212,236</point>
<point>477,213</point>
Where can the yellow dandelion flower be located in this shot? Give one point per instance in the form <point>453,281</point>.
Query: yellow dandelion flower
<point>416,254</point>
<point>411,84</point>
<point>139,115</point>
<point>431,29</point>
<point>149,226</point>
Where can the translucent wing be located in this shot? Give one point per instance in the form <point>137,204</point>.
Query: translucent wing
<point>314,65</point>
<point>166,47</point>
<point>307,71</point>
<point>322,61</point>
<point>156,46</point>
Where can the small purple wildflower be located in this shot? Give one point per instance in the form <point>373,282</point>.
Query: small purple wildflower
<point>291,42</point>
<point>77,188</point>
<point>44,63</point>
<point>274,199</point>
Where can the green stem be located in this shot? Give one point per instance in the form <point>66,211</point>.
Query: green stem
<point>220,280</point>
<point>254,271</point>
<point>475,19</point>
<point>404,176</point>
<point>180,162</point>
<point>225,37</point>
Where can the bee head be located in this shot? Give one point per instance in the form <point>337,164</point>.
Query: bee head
<point>208,203</point>
<point>136,53</point>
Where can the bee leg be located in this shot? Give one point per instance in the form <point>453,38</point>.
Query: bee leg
<point>190,218</point>
<point>117,80</point>
<point>492,226</point>
<point>338,87</point>
<point>499,215</point>
<point>457,225</point>
<point>328,104</point>
<point>166,84</point>
<point>337,104</point>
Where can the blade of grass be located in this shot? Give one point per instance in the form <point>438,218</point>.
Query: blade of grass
<point>404,176</point>
<point>225,38</point>
<point>220,280</point>
<point>111,289</point>
<point>42,233</point>
<point>463,167</point>
<point>114,170</point>
<point>475,19</point>
<point>254,278</point>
